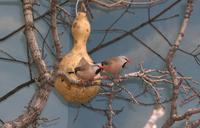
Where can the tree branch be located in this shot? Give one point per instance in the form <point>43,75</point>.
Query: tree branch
<point>122,3</point>
<point>54,30</point>
<point>41,95</point>
<point>133,29</point>
<point>176,81</point>
<point>16,89</point>
<point>195,124</point>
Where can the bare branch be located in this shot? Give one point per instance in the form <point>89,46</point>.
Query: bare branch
<point>122,3</point>
<point>41,96</point>
<point>110,113</point>
<point>22,27</point>
<point>54,30</point>
<point>19,87</point>
<point>101,110</point>
<point>195,124</point>
<point>1,121</point>
<point>176,81</point>
<point>115,40</point>
<point>188,113</point>
<point>133,99</point>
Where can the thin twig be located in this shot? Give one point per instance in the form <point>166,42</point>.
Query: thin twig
<point>41,96</point>
<point>35,19</point>
<point>15,90</point>
<point>170,56</point>
<point>54,31</point>
<point>195,124</point>
<point>14,60</point>
<point>1,121</point>
<point>115,40</point>
<point>122,3</point>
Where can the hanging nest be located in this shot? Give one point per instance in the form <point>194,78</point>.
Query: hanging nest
<point>72,93</point>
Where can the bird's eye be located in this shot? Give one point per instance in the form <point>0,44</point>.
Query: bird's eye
<point>77,69</point>
<point>126,59</point>
<point>70,72</point>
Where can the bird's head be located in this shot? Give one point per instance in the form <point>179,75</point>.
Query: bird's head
<point>124,60</point>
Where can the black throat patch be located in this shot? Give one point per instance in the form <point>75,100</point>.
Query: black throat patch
<point>98,71</point>
<point>124,65</point>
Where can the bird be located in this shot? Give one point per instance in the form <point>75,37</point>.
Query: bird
<point>115,65</point>
<point>86,71</point>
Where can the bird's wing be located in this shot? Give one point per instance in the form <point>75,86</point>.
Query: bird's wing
<point>82,62</point>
